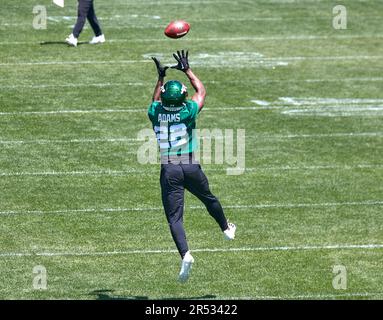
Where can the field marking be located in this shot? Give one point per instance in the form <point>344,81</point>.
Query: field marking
<point>221,109</point>
<point>324,101</point>
<point>72,85</point>
<point>93,62</point>
<point>203,250</point>
<point>261,102</point>
<point>321,135</point>
<point>220,39</point>
<point>160,209</point>
<point>128,110</point>
<point>136,140</point>
<point>81,111</point>
<point>107,172</point>
<point>121,84</point>
<point>308,296</point>
<point>329,107</point>
<point>370,111</point>
<point>260,60</point>
<point>261,105</point>
<point>96,140</point>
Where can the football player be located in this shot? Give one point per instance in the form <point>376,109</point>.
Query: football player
<point>173,117</point>
<point>85,11</point>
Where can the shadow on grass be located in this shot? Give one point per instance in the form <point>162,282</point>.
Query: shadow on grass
<point>106,294</point>
<point>47,43</point>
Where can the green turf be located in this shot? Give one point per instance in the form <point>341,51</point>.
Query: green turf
<point>75,199</point>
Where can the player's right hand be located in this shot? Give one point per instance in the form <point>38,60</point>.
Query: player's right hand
<point>182,59</point>
<point>160,68</point>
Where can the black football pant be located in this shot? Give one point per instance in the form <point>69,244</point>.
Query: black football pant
<point>86,11</point>
<point>175,178</point>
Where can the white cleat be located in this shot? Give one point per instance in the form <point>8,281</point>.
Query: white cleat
<point>71,40</point>
<point>229,233</point>
<point>187,262</point>
<point>99,39</point>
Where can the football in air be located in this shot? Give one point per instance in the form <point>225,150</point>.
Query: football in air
<point>177,29</point>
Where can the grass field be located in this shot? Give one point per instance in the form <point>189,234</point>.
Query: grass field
<point>75,200</point>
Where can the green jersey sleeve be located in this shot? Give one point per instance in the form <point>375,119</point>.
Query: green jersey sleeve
<point>193,109</point>
<point>152,110</point>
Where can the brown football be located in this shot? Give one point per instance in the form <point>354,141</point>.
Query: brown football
<point>177,29</point>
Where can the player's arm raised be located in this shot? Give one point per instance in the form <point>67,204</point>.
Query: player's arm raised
<point>160,82</point>
<point>200,91</point>
<point>183,65</point>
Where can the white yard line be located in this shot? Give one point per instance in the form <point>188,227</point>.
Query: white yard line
<point>121,84</point>
<point>210,250</point>
<point>127,110</point>
<point>96,140</point>
<point>122,62</point>
<point>261,102</point>
<point>96,173</point>
<point>137,141</point>
<point>308,296</point>
<point>320,135</point>
<point>84,111</point>
<point>72,85</point>
<point>92,62</point>
<point>239,207</point>
<point>352,108</point>
<point>221,39</point>
<point>313,101</point>
<point>143,21</point>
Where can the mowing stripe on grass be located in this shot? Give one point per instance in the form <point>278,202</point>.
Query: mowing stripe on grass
<point>239,207</point>
<point>210,250</point>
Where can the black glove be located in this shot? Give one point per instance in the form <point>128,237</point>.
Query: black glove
<point>182,59</point>
<point>160,68</point>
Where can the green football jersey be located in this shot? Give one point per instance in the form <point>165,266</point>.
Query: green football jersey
<point>174,127</point>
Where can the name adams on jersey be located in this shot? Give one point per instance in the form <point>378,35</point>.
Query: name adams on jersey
<point>166,117</point>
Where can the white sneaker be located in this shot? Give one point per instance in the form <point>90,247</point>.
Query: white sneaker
<point>229,233</point>
<point>71,40</point>
<point>187,262</point>
<point>99,39</point>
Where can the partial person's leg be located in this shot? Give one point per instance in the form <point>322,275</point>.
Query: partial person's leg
<point>197,183</point>
<point>172,190</point>
<point>92,18</point>
<point>82,13</point>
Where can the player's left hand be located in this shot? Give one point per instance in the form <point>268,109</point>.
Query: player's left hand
<point>182,59</point>
<point>160,68</point>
